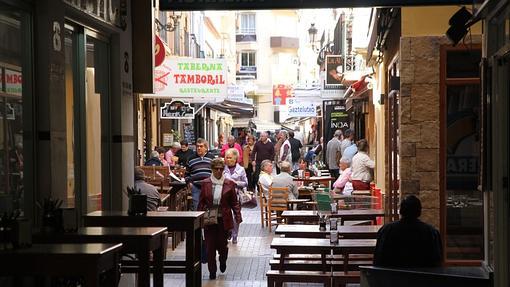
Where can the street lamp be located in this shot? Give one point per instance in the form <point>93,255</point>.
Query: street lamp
<point>171,23</point>
<point>312,32</point>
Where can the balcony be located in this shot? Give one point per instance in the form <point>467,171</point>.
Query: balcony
<point>246,72</point>
<point>252,37</point>
<point>284,42</point>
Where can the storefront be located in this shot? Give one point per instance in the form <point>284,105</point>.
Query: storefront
<point>71,137</point>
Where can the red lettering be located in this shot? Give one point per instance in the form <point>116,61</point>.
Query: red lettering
<point>197,79</point>
<point>210,80</point>
<point>183,79</point>
<point>191,79</point>
<point>176,77</point>
<point>222,81</point>
<point>203,79</point>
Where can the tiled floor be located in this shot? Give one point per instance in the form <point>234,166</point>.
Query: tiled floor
<point>248,260</point>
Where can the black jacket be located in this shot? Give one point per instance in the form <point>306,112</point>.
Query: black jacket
<point>408,243</point>
<point>295,146</point>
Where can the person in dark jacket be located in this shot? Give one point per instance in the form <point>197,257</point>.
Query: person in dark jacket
<point>219,192</point>
<point>154,160</point>
<point>184,154</point>
<point>409,242</point>
<point>295,148</point>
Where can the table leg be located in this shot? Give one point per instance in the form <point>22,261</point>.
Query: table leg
<point>193,253</point>
<point>159,256</point>
<point>323,258</point>
<point>346,262</point>
<point>145,269</point>
<point>282,259</point>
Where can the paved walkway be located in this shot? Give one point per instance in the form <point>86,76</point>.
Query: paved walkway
<point>248,260</point>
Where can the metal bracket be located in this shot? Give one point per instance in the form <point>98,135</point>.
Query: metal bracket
<point>199,109</point>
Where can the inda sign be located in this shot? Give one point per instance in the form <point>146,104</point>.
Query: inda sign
<point>177,110</point>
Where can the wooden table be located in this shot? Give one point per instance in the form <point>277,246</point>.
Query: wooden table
<point>296,201</point>
<point>191,222</point>
<point>326,180</point>
<point>286,246</point>
<point>313,231</point>
<point>292,216</point>
<point>138,240</point>
<point>87,260</point>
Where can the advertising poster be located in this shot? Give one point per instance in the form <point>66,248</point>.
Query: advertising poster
<point>334,70</point>
<point>177,110</point>
<point>281,93</point>
<point>335,117</point>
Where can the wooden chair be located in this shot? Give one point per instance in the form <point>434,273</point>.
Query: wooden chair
<point>277,202</point>
<point>264,213</point>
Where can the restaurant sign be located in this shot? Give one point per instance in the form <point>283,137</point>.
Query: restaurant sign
<point>188,78</point>
<point>301,108</point>
<point>113,12</point>
<point>177,110</point>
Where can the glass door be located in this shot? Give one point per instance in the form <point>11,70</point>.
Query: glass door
<point>97,102</point>
<point>87,75</point>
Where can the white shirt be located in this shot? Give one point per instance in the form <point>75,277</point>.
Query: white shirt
<point>265,181</point>
<point>361,165</point>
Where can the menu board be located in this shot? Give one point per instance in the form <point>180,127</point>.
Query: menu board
<point>189,133</point>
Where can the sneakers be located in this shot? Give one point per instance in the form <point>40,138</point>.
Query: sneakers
<point>212,276</point>
<point>223,267</point>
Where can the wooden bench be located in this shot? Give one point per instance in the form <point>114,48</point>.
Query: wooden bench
<point>342,278</point>
<point>316,265</point>
<point>329,257</point>
<point>277,278</point>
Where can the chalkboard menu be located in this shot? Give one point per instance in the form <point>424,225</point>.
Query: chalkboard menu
<point>189,134</point>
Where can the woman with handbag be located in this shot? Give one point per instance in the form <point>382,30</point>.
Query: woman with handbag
<point>237,174</point>
<point>218,199</point>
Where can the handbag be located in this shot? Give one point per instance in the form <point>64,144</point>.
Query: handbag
<point>248,199</point>
<point>211,216</point>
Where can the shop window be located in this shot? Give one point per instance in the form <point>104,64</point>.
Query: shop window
<point>12,163</point>
<point>462,196</point>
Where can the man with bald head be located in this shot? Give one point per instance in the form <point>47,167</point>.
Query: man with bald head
<point>263,149</point>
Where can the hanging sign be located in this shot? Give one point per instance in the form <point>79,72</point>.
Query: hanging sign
<point>334,70</point>
<point>302,109</point>
<point>335,118</point>
<point>191,78</point>
<point>177,110</point>
<point>159,51</point>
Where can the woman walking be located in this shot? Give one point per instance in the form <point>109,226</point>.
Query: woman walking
<point>247,150</point>
<point>236,173</point>
<point>219,193</point>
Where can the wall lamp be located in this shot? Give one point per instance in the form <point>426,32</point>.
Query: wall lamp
<point>171,23</point>
<point>312,32</point>
<point>459,25</point>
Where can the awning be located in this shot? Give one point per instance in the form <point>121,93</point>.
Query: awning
<point>236,109</point>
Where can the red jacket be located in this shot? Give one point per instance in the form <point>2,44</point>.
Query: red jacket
<point>237,147</point>
<point>228,202</point>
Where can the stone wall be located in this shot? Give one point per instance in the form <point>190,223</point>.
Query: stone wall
<point>419,122</point>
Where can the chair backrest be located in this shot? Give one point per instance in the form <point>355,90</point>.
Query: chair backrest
<point>278,196</point>
<point>323,201</point>
<point>156,172</point>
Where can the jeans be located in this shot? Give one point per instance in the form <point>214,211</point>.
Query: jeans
<point>195,194</point>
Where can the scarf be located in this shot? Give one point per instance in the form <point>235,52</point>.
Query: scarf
<point>217,187</point>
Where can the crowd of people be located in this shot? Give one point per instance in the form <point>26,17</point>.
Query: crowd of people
<point>217,179</point>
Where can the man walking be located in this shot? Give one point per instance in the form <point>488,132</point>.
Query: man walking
<point>199,168</point>
<point>262,150</point>
<point>295,147</point>
<point>333,152</point>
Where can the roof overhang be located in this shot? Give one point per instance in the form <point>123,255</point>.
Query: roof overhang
<point>236,109</point>
<point>200,5</point>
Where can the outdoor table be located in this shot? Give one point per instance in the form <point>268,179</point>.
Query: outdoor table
<point>313,231</point>
<point>191,222</point>
<point>286,246</point>
<point>86,260</point>
<point>296,201</point>
<point>326,180</point>
<point>292,216</point>
<point>138,240</point>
